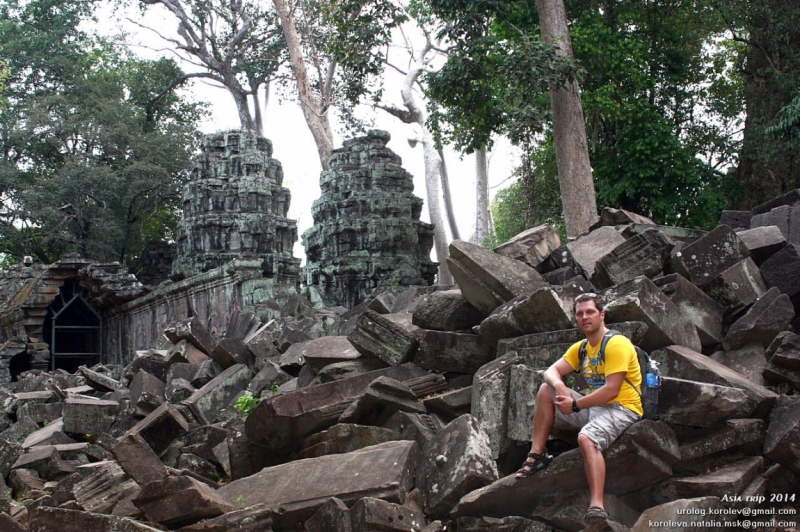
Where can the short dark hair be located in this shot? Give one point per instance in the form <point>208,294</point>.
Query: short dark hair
<point>588,296</point>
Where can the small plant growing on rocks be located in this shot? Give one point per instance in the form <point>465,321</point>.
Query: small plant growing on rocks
<point>246,403</point>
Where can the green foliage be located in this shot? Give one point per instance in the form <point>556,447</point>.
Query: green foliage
<point>246,403</point>
<point>95,145</point>
<point>496,77</point>
<point>788,125</point>
<point>663,103</point>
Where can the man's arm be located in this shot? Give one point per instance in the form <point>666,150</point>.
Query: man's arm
<point>607,392</point>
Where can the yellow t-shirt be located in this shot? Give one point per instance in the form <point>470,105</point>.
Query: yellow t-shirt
<point>620,357</point>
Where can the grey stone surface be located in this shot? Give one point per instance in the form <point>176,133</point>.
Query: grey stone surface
<point>300,488</point>
<point>342,438</point>
<point>207,402</point>
<point>532,246</point>
<point>321,352</point>
<point>147,392</point>
<point>642,254</point>
<point>446,310</point>
<point>383,397</point>
<point>707,449</point>
<point>698,404</point>
<point>138,460</point>
<point>234,207</point>
<point>280,420</point>
<point>89,416</point>
<point>378,336</point>
<point>730,480</point>
<point>488,280</point>
<point>490,400</point>
<point>783,433</point>
<point>704,312</point>
<point>453,352</point>
<point>737,287</point>
<point>702,261</point>
<point>683,363</point>
<point>523,387</point>
<point>456,461</point>
<point>588,249</point>
<point>647,447</point>
<point>180,500</point>
<point>780,271</point>
<point>105,488</point>
<point>370,514</point>
<point>748,361</point>
<point>193,331</point>
<point>367,231</point>
<point>160,427</point>
<point>640,300</point>
<point>763,242</point>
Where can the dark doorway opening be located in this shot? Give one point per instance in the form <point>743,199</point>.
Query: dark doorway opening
<point>74,330</point>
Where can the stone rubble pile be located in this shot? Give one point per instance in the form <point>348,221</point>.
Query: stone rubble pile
<point>411,411</point>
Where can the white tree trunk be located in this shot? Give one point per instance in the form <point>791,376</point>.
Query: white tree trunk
<point>569,129</point>
<point>481,197</point>
<point>448,200</point>
<point>314,110</point>
<point>433,164</point>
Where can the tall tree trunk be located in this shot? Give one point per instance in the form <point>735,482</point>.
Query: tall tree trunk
<point>481,197</point>
<point>433,163</point>
<point>240,98</point>
<point>569,129</point>
<point>448,200</point>
<point>258,118</point>
<point>313,108</point>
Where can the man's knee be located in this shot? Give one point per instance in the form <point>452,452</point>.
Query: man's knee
<point>545,393</point>
<point>587,444</point>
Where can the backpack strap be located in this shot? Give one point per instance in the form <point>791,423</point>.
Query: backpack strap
<point>602,356</point>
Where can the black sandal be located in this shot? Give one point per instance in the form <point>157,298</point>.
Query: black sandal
<point>529,468</point>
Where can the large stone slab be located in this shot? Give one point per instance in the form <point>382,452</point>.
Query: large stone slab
<point>321,352</point>
<point>533,245</point>
<point>705,450</point>
<point>282,419</point>
<point>370,514</point>
<point>89,416</point>
<point>456,461</point>
<point>138,460</point>
<point>748,361</point>
<point>641,456</point>
<point>640,300</point>
<point>47,519</point>
<point>678,234</point>
<point>642,254</point>
<point>207,402</point>
<point>453,352</point>
<point>193,331</point>
<point>698,404</point>
<point>783,433</point>
<point>588,249</point>
<point>702,261</point>
<point>522,392</point>
<point>730,480</point>
<point>780,271</point>
<point>683,363</point>
<point>181,500</point>
<point>294,491</point>
<point>547,309</point>
<point>763,242</point>
<point>703,311</point>
<point>543,349</point>
<point>160,427</point>
<point>378,336</point>
<point>566,511</point>
<point>446,310</point>
<point>342,438</point>
<point>737,287</point>
<point>488,280</point>
<point>147,392</point>
<point>490,400</point>
<point>105,488</point>
<point>382,398</point>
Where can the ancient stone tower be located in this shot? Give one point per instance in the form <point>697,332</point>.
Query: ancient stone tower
<point>235,207</point>
<point>367,232</point>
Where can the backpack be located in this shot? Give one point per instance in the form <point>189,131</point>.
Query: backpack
<point>648,394</point>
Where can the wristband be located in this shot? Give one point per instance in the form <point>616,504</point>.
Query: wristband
<point>575,407</point>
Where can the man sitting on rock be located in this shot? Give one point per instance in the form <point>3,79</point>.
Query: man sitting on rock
<point>602,415</point>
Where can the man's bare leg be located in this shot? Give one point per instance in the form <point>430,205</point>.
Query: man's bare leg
<point>595,466</point>
<point>543,419</point>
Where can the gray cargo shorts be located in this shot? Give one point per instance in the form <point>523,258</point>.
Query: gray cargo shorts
<point>602,424</point>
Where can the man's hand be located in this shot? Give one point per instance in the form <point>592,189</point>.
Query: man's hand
<point>564,403</point>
